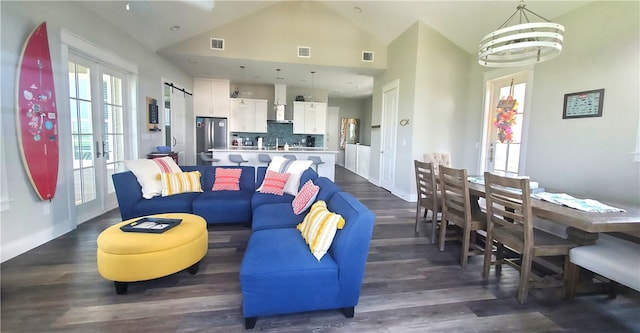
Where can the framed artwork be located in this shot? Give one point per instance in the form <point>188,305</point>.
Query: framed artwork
<point>583,104</point>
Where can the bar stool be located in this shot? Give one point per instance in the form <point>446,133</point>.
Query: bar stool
<point>237,158</point>
<point>290,157</point>
<point>316,161</point>
<point>264,158</point>
<point>208,158</point>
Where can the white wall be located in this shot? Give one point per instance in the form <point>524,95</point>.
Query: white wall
<point>433,87</point>
<point>273,34</point>
<point>590,156</point>
<point>28,222</point>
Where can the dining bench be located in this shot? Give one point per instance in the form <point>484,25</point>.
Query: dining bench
<point>614,258</point>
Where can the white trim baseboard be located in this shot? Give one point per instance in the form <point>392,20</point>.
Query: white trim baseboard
<point>42,236</point>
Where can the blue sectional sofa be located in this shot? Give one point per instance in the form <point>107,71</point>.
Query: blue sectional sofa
<point>278,274</point>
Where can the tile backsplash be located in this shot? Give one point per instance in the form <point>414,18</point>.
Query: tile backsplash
<point>284,133</point>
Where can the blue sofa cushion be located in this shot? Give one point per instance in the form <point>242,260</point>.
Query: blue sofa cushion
<point>179,203</point>
<point>279,275</point>
<point>278,215</point>
<point>259,199</point>
<point>327,188</point>
<point>224,206</point>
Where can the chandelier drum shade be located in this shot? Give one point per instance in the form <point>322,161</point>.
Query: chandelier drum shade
<point>521,44</point>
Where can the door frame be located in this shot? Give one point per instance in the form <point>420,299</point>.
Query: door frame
<point>489,79</point>
<point>389,128</point>
<point>71,43</point>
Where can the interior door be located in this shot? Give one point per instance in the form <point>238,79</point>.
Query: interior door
<point>178,126</point>
<point>97,100</point>
<point>388,145</point>
<point>505,123</point>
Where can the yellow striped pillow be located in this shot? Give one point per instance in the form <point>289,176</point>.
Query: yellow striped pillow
<point>319,228</point>
<point>180,182</point>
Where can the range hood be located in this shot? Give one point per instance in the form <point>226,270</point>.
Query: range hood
<point>279,105</point>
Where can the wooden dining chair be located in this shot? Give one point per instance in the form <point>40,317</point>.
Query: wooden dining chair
<point>510,224</point>
<point>456,209</point>
<point>428,197</point>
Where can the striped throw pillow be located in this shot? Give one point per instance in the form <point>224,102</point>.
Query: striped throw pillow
<point>319,228</point>
<point>148,173</point>
<point>181,182</point>
<point>294,168</point>
<point>227,179</point>
<point>305,197</point>
<point>274,182</point>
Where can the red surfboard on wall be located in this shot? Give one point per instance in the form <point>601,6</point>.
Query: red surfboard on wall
<point>37,117</point>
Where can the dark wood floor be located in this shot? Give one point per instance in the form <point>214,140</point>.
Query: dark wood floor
<point>409,286</point>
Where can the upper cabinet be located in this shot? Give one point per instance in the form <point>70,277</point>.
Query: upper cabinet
<point>211,98</point>
<point>309,118</point>
<point>248,115</point>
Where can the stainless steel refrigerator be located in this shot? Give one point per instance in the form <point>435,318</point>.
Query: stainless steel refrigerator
<point>210,133</point>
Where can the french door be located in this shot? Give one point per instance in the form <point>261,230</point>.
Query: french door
<point>505,124</point>
<point>97,99</point>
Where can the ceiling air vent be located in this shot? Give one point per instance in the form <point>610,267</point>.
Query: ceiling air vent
<point>367,56</point>
<point>217,44</point>
<point>304,52</point>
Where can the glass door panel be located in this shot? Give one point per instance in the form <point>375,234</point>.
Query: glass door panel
<point>506,120</point>
<point>82,136</point>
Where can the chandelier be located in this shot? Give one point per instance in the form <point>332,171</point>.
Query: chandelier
<point>521,44</point>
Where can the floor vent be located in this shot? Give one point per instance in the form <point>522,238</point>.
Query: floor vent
<point>304,52</point>
<point>217,44</point>
<point>367,56</point>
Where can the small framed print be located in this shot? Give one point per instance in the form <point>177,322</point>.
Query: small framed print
<point>583,104</point>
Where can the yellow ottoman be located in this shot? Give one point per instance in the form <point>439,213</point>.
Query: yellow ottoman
<point>135,256</point>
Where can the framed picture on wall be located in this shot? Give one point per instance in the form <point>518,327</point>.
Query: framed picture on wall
<point>583,104</point>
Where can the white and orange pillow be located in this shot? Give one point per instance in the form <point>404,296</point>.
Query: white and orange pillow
<point>148,173</point>
<point>305,197</point>
<point>274,182</point>
<point>227,179</point>
<point>294,168</point>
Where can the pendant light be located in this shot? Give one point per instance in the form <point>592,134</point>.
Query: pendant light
<point>522,44</point>
<point>242,80</point>
<point>312,106</point>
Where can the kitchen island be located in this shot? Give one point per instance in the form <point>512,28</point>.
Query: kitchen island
<point>250,153</point>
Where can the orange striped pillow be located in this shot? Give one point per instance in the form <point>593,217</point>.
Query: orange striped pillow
<point>304,199</point>
<point>274,182</point>
<point>227,179</point>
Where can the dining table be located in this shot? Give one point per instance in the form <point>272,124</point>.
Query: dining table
<point>582,226</point>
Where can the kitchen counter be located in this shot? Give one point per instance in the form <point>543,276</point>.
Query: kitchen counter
<point>250,153</point>
<point>263,149</point>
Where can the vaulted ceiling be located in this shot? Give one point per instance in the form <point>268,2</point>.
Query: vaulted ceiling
<point>462,22</point>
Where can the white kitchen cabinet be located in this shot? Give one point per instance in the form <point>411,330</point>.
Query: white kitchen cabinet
<point>211,98</point>
<point>249,117</point>
<point>357,159</point>
<point>309,118</point>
